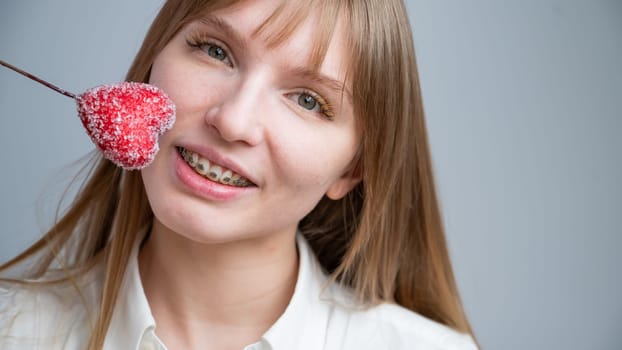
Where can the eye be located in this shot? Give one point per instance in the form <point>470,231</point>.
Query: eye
<point>314,103</point>
<point>206,45</point>
<point>307,101</point>
<point>215,52</point>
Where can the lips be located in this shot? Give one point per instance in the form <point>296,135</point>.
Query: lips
<point>213,171</point>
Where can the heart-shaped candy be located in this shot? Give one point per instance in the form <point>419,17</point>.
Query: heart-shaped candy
<point>125,121</point>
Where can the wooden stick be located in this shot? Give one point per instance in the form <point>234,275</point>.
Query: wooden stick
<point>39,80</point>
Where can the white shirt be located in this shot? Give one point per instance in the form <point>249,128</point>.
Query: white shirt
<point>317,318</point>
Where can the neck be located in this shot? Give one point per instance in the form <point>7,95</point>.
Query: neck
<point>206,295</point>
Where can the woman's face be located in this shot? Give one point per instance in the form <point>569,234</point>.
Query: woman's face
<point>260,136</point>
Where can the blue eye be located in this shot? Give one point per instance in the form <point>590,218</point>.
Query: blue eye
<point>313,102</point>
<point>307,101</point>
<point>206,45</point>
<point>215,51</point>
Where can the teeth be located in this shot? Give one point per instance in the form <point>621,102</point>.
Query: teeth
<point>212,171</point>
<point>235,177</point>
<point>193,158</point>
<point>235,180</point>
<point>184,154</point>
<point>240,182</point>
<point>202,166</point>
<point>225,178</point>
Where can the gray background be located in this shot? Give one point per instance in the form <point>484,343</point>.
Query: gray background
<point>524,102</point>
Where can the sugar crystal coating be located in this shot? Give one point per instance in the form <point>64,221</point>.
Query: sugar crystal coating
<point>125,120</point>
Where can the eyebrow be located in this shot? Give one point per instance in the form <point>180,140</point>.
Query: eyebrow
<point>335,85</point>
<point>224,27</point>
<point>305,73</point>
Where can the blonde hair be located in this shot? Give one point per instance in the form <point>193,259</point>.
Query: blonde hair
<point>385,239</point>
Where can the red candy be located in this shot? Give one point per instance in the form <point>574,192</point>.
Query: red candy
<point>125,121</point>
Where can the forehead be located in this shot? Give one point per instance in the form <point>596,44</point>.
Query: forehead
<point>312,28</point>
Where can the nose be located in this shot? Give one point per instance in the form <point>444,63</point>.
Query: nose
<point>236,114</point>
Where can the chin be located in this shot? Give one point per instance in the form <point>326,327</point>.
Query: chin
<point>200,231</point>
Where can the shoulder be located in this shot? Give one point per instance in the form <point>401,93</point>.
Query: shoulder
<point>412,328</point>
<point>48,315</point>
<point>390,326</point>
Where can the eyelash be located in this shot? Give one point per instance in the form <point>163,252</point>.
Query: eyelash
<point>199,40</point>
<point>325,108</point>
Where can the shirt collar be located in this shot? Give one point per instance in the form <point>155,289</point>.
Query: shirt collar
<point>132,316</point>
<point>293,329</point>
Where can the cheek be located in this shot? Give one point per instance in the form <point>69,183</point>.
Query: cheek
<point>182,80</point>
<point>310,161</point>
<point>174,81</point>
<point>305,177</point>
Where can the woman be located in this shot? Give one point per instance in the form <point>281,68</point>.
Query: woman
<point>292,206</point>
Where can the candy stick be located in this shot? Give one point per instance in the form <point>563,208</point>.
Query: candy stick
<point>37,79</point>
<point>123,120</point>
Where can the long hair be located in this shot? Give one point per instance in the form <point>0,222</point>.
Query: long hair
<point>384,239</point>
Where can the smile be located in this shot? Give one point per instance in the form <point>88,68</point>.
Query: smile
<point>213,171</point>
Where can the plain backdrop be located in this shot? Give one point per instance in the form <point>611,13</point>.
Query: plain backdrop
<point>524,108</point>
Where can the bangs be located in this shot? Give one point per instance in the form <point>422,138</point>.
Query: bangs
<point>286,19</point>
<point>288,16</point>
